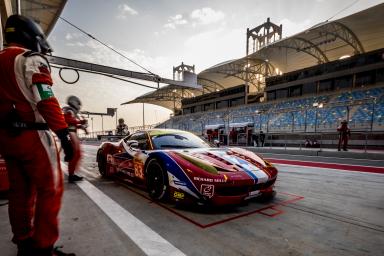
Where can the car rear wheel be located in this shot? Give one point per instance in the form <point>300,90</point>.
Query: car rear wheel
<point>102,163</point>
<point>157,180</point>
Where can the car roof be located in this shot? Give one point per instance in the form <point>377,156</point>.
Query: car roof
<point>153,132</point>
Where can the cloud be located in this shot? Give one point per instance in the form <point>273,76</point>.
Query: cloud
<point>290,27</point>
<point>77,44</point>
<point>71,36</point>
<point>125,10</point>
<point>175,21</point>
<point>206,16</point>
<point>203,48</point>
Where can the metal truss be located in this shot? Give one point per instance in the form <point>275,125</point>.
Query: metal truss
<point>113,72</point>
<point>263,35</point>
<point>171,96</point>
<point>344,33</point>
<point>179,70</point>
<point>209,85</point>
<point>302,45</point>
<point>249,69</point>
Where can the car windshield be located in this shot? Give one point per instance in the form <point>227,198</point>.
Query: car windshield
<point>177,141</point>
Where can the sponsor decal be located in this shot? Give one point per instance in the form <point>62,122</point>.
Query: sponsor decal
<point>139,168</point>
<point>207,190</point>
<point>109,159</point>
<point>128,173</point>
<point>180,183</point>
<point>45,91</point>
<point>253,194</point>
<point>178,195</point>
<point>210,180</point>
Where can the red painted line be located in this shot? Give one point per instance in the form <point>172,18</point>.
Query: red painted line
<point>345,167</point>
<point>297,198</point>
<point>260,211</point>
<point>272,215</point>
<point>237,216</point>
<point>164,207</point>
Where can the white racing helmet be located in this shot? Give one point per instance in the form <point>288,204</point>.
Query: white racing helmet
<point>74,102</point>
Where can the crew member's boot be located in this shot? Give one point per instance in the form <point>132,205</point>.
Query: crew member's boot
<point>74,178</point>
<point>50,251</point>
<point>24,247</point>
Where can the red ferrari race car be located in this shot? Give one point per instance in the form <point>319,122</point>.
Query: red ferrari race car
<point>178,165</point>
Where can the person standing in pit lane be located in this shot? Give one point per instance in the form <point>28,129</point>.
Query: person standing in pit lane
<point>262,138</point>
<point>122,128</point>
<point>344,135</point>
<point>28,111</point>
<point>75,122</point>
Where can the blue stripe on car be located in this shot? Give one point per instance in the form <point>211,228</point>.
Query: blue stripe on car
<point>244,165</point>
<point>175,170</point>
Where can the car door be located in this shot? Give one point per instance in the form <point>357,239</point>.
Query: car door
<point>132,161</point>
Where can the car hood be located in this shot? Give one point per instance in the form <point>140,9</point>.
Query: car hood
<point>223,159</point>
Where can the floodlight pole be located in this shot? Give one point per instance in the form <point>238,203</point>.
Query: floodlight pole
<point>305,121</point>
<point>102,124</point>
<point>116,115</point>
<point>316,119</point>
<point>373,112</point>
<point>18,7</point>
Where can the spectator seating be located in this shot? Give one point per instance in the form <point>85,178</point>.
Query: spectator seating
<point>296,114</point>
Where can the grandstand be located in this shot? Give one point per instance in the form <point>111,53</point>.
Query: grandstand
<point>306,83</point>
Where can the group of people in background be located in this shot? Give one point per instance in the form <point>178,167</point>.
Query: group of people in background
<point>258,139</point>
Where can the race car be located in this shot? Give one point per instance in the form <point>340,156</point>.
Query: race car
<point>180,166</point>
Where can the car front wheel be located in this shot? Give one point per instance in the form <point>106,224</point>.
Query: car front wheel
<point>157,180</point>
<point>102,163</point>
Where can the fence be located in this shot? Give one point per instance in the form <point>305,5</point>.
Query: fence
<point>359,140</point>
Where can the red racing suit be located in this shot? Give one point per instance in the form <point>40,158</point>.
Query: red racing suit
<point>74,122</point>
<point>344,133</point>
<point>31,155</point>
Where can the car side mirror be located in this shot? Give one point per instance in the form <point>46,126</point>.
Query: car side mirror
<point>133,144</point>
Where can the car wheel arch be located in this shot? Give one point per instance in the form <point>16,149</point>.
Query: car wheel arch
<point>165,173</point>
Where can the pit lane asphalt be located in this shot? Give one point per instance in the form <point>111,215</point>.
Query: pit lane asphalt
<point>341,214</point>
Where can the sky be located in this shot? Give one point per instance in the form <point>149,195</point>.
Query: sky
<point>160,34</point>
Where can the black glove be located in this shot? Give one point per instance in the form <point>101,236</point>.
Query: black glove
<point>66,144</point>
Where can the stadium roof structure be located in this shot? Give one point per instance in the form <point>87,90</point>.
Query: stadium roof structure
<point>169,96</point>
<point>328,41</point>
<point>44,12</point>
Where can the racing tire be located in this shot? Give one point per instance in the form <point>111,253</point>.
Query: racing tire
<point>102,164</point>
<point>267,197</point>
<point>157,180</point>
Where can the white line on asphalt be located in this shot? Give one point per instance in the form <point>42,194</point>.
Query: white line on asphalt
<point>150,242</point>
<point>89,155</point>
<point>94,175</point>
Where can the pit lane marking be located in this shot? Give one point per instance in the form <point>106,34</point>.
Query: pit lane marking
<point>333,157</point>
<point>150,242</point>
<point>328,168</point>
